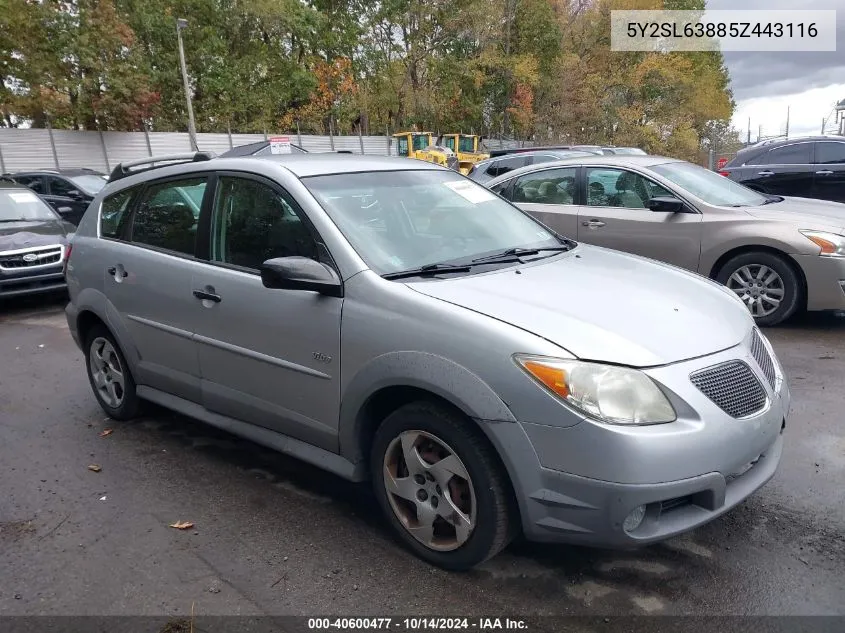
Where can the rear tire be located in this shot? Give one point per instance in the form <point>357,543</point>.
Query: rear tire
<point>109,375</point>
<point>430,468</point>
<point>767,284</point>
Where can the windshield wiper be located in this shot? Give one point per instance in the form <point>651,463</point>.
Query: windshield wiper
<point>772,199</point>
<point>518,252</point>
<point>428,269</point>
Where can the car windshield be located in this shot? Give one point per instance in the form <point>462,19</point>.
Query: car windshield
<point>90,184</point>
<point>709,186</point>
<point>20,204</point>
<point>628,151</point>
<point>407,219</point>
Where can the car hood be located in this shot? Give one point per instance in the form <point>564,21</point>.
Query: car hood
<point>26,234</point>
<point>605,306</point>
<point>805,213</point>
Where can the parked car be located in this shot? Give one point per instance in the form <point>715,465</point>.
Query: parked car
<point>488,169</point>
<point>261,148</point>
<point>592,149</point>
<point>34,241</point>
<point>388,319</point>
<point>811,167</point>
<point>69,191</point>
<point>777,254</point>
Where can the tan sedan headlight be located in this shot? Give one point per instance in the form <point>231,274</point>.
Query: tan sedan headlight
<point>609,394</point>
<point>832,245</point>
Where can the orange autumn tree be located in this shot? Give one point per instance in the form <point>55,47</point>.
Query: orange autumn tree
<point>333,96</point>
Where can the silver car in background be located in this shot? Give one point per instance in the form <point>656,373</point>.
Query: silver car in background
<point>390,320</point>
<point>777,254</point>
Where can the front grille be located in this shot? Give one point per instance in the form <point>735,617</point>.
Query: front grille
<point>31,258</point>
<point>733,387</point>
<point>763,358</point>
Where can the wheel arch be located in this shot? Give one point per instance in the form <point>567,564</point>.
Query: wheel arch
<point>771,250</point>
<point>391,380</point>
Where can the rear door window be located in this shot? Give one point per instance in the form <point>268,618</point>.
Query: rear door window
<point>168,215</point>
<point>797,154</point>
<point>830,153</point>
<point>550,186</point>
<point>36,183</point>
<point>60,186</point>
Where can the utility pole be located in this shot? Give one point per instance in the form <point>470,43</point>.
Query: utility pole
<point>748,142</point>
<point>787,121</point>
<point>192,130</point>
<point>759,133</point>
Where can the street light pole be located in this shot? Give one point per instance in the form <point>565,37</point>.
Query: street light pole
<point>192,130</point>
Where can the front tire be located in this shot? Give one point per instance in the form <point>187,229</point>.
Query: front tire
<point>109,375</point>
<point>766,283</point>
<point>441,486</point>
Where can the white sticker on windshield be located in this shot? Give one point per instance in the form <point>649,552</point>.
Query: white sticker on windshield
<point>470,191</point>
<point>23,197</point>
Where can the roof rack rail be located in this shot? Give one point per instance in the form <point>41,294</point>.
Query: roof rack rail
<point>123,169</point>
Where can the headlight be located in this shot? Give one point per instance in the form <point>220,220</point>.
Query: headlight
<point>610,394</point>
<point>832,245</point>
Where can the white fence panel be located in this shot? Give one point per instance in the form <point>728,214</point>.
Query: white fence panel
<point>31,149</point>
<point>26,149</point>
<point>125,146</point>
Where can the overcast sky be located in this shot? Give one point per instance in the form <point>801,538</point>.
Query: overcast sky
<point>765,84</point>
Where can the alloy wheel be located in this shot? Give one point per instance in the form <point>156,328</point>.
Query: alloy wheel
<point>429,490</point>
<point>106,372</point>
<point>761,288</point>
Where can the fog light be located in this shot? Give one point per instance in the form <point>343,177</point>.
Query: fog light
<point>633,520</point>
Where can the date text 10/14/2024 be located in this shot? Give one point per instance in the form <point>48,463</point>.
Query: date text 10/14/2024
<point>417,624</point>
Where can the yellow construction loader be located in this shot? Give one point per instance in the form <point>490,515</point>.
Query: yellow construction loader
<point>420,145</point>
<point>467,147</point>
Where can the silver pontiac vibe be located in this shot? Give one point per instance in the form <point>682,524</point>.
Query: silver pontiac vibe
<point>393,321</point>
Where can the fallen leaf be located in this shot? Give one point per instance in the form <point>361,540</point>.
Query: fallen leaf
<point>106,432</point>
<point>95,468</point>
<point>182,525</point>
<point>103,498</point>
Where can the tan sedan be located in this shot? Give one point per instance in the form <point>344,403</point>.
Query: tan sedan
<point>777,254</point>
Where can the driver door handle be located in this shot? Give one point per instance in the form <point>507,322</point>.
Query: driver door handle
<point>593,224</point>
<point>207,296</point>
<point>113,272</point>
<point>824,172</point>
<point>765,172</point>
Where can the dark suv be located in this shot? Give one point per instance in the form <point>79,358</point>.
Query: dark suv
<point>810,167</point>
<point>68,191</point>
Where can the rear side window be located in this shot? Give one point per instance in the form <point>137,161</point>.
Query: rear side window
<point>36,183</point>
<point>114,214</point>
<point>505,165</point>
<point>797,154</point>
<point>550,186</point>
<point>168,215</point>
<point>828,153</point>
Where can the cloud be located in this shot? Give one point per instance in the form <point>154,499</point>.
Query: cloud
<point>755,75</point>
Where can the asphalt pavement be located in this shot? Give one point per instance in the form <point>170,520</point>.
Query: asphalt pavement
<point>274,536</point>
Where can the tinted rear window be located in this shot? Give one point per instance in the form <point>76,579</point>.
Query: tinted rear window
<point>828,152</point>
<point>798,154</point>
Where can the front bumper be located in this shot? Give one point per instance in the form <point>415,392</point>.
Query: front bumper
<point>825,281</point>
<point>20,284</point>
<point>577,484</point>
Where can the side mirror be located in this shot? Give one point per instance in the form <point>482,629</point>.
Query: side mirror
<point>301,273</point>
<point>64,210</point>
<point>74,194</point>
<point>666,204</point>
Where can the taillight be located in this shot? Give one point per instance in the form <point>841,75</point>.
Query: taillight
<point>67,258</point>
<point>724,173</point>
